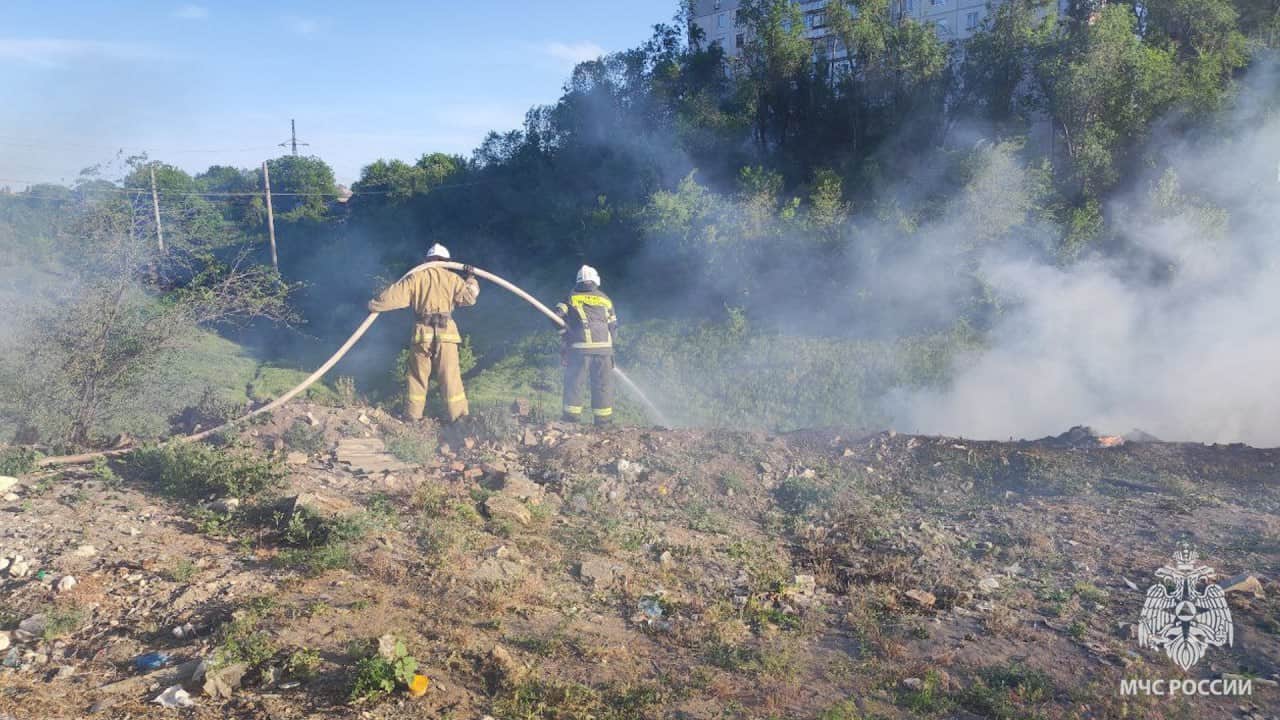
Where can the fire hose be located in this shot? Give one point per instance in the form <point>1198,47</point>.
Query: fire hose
<point>333,360</point>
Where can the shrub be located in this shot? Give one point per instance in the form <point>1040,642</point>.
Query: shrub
<point>195,470</point>
<point>302,436</point>
<point>18,460</point>
<point>377,676</point>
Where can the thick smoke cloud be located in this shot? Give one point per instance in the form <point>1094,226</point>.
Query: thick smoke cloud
<point>1181,341</point>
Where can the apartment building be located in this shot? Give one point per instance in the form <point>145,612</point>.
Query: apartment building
<point>951,19</point>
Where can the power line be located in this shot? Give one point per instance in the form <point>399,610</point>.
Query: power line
<point>183,193</point>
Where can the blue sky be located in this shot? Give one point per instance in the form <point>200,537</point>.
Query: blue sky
<point>196,84</point>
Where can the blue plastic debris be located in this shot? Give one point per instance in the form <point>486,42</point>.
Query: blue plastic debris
<point>151,661</point>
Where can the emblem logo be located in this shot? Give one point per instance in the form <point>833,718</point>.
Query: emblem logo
<point>1185,614</point>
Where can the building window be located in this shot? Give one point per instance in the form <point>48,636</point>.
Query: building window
<point>944,27</point>
<point>739,40</point>
<point>937,3</point>
<point>738,19</point>
<point>971,21</point>
<point>722,20</point>
<point>815,20</point>
<point>716,6</point>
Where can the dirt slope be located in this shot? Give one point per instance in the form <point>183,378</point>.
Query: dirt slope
<point>544,571</point>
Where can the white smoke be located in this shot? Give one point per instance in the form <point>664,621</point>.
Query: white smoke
<point>1182,342</point>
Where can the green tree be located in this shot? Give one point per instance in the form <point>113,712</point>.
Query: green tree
<point>301,188</point>
<point>1104,95</point>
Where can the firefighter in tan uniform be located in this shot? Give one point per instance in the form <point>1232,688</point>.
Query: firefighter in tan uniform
<point>590,326</point>
<point>433,294</point>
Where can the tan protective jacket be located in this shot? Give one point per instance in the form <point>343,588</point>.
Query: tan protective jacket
<point>434,291</point>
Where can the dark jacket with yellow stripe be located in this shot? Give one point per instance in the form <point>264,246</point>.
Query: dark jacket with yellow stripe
<point>590,322</point>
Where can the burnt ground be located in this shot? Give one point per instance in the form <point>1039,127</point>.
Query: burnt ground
<point>559,572</point>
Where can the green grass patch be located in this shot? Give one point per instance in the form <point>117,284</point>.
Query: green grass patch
<point>553,700</point>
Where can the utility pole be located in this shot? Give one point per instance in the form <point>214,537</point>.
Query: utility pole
<point>292,142</point>
<point>155,205</point>
<point>271,218</point>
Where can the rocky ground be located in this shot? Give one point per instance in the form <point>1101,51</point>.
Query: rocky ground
<point>539,570</point>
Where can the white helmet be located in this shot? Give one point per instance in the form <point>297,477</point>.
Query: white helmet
<point>588,274</point>
<point>438,250</point>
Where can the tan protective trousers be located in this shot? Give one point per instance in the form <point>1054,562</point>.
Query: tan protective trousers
<point>448,374</point>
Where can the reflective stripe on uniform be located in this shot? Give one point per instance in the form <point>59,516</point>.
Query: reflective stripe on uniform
<point>603,412</point>
<point>426,335</point>
<point>456,398</point>
<point>591,345</point>
<point>417,396</point>
<point>591,300</point>
<point>573,409</point>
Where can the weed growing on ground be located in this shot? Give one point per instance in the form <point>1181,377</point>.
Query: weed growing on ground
<point>415,443</point>
<point>303,663</point>
<point>377,676</point>
<point>197,470</point>
<point>553,700</point>
<point>301,436</point>
<point>797,495</point>
<point>181,571</point>
<point>61,619</point>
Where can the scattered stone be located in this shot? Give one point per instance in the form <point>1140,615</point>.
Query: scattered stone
<point>666,560</point>
<point>68,582</point>
<point>1129,583</point>
<point>912,683</point>
<point>518,485</point>
<point>223,682</point>
<point>921,597</point>
<point>4,563</point>
<point>804,585</point>
<point>988,585</point>
<point>85,551</point>
<point>296,458</point>
<point>364,419</point>
<point>848,452</point>
<point>627,470</point>
<point>19,568</point>
<point>498,570</point>
<point>1244,583</point>
<point>311,420</point>
<point>505,507</point>
<point>597,572</point>
<point>521,407</point>
<point>30,629</point>
<point>368,456</point>
<point>11,497</point>
<point>7,483</point>
<point>457,466</point>
<point>5,640</point>
<point>319,505</point>
<point>226,506</point>
<point>473,473</point>
<point>529,439</point>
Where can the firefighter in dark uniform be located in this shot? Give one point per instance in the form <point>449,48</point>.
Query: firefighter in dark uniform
<point>587,351</point>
